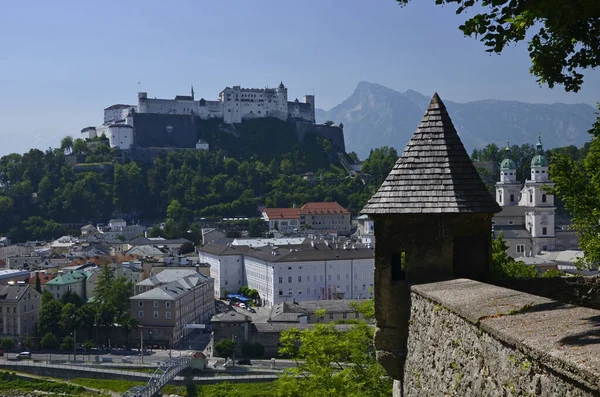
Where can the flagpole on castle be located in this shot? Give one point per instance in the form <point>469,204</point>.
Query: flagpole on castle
<point>140,86</point>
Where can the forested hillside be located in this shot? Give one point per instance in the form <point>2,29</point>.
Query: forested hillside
<point>40,191</point>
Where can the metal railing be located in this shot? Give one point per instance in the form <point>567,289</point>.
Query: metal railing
<point>166,371</point>
<point>75,366</point>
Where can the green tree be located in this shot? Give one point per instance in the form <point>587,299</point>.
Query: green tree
<point>257,227</point>
<point>67,343</point>
<point>88,345</point>
<point>332,363</point>
<point>506,267</point>
<point>187,248</point>
<point>49,318</point>
<point>225,347</point>
<point>104,284</point>
<point>69,321</point>
<point>578,186</point>
<point>49,341</point>
<point>563,34</point>
<point>46,297</point>
<point>71,297</point>
<point>329,123</point>
<point>28,342</point>
<point>7,344</point>
<point>366,308</point>
<point>80,146</point>
<point>379,164</point>
<point>66,144</point>
<point>127,324</point>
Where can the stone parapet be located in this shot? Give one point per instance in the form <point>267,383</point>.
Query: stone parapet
<point>468,338</point>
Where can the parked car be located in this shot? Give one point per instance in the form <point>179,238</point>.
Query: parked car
<point>23,355</point>
<point>244,361</point>
<point>1,353</point>
<point>243,305</point>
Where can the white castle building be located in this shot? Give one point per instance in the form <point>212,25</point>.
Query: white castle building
<point>234,105</point>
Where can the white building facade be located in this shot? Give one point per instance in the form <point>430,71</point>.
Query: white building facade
<point>316,271</point>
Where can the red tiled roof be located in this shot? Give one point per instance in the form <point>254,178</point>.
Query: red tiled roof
<point>282,213</point>
<point>44,278</point>
<point>322,209</point>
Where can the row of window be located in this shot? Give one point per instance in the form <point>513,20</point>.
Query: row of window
<point>155,304</point>
<point>321,277</point>
<point>344,316</point>
<point>155,314</point>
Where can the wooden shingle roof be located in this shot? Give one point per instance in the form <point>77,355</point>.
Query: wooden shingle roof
<point>434,174</point>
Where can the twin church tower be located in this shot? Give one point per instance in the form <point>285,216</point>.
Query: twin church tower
<point>527,216</point>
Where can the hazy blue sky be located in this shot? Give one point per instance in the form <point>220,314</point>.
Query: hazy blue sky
<point>63,62</point>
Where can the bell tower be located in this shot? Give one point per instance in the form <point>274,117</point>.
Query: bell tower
<point>539,215</point>
<point>507,190</point>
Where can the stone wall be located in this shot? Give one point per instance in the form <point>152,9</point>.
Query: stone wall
<point>334,133</point>
<point>472,339</point>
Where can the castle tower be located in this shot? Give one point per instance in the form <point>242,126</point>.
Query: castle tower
<point>310,99</point>
<point>507,190</point>
<point>539,216</point>
<point>142,103</point>
<point>433,221</point>
<point>282,101</point>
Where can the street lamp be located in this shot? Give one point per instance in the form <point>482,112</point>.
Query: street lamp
<point>233,338</point>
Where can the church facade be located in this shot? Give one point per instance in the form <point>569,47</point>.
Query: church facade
<point>527,220</point>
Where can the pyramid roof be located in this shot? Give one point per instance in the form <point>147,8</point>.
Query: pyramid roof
<point>434,174</point>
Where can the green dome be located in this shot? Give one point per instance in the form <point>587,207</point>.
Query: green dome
<point>508,164</point>
<point>539,160</point>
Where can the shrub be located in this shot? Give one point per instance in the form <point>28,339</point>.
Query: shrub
<point>225,348</point>
<point>7,343</point>
<point>49,341</point>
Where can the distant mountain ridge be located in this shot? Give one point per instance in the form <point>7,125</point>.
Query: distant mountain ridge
<point>375,116</point>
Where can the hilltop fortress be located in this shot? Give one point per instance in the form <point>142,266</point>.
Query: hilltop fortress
<point>234,105</point>
<point>174,123</point>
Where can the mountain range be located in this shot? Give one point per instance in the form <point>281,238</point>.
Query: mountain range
<point>375,116</point>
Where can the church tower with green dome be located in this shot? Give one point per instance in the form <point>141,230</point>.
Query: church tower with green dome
<point>539,211</point>
<point>539,164</point>
<point>507,190</point>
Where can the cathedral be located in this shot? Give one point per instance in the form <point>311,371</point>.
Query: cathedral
<point>527,219</point>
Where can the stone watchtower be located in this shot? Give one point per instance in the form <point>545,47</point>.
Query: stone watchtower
<point>433,221</point>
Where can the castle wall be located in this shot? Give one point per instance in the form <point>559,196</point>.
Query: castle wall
<point>472,339</point>
<point>167,106</point>
<point>165,130</point>
<point>334,133</point>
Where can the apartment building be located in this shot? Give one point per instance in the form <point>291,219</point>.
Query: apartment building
<point>75,281</point>
<point>163,310</point>
<point>19,309</point>
<point>325,217</point>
